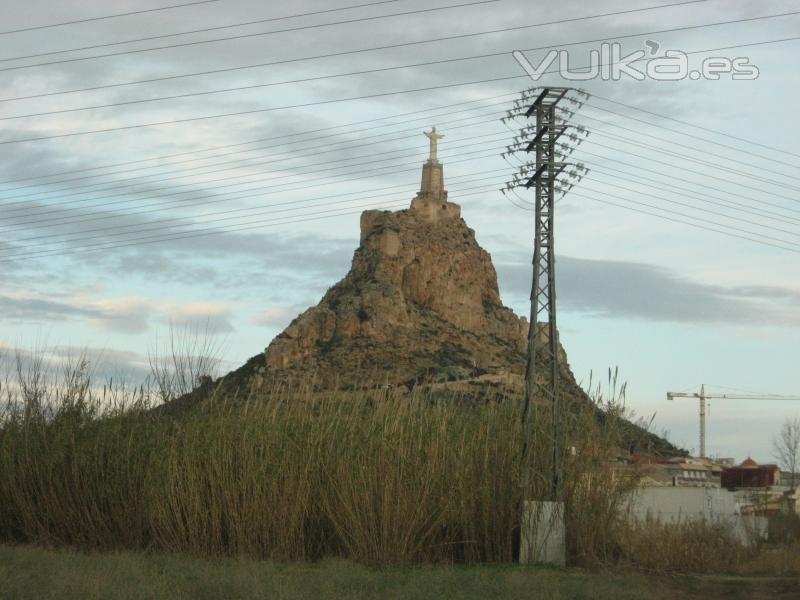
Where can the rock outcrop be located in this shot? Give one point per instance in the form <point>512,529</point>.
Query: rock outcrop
<point>420,305</point>
<point>420,301</point>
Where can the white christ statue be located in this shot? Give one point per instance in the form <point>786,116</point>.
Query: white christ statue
<point>434,138</point>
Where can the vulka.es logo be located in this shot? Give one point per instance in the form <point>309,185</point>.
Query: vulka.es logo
<point>608,63</point>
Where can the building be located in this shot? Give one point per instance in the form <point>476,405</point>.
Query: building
<point>750,474</point>
<point>678,472</point>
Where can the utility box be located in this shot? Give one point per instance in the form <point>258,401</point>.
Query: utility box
<point>542,535</point>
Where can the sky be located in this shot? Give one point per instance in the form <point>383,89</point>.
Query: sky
<point>116,221</point>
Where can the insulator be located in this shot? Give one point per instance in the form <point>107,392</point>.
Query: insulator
<point>565,147</point>
<point>577,103</point>
<point>568,112</point>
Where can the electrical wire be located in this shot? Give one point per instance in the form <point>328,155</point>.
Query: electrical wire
<point>349,52</point>
<point>150,190</point>
<point>649,184</point>
<point>709,129</point>
<point>313,217</point>
<point>203,233</point>
<point>346,99</point>
<point>404,186</point>
<point>706,221</point>
<point>693,183</point>
<point>694,137</point>
<point>697,208</point>
<point>228,38</point>
<point>312,171</point>
<point>606,122</point>
<point>115,16</point>
<point>360,175</point>
<point>366,71</point>
<point>359,142</point>
<point>733,171</point>
<point>701,173</point>
<point>269,139</point>
<point>253,211</point>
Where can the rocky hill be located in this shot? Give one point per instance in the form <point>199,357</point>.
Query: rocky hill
<point>420,301</point>
<point>420,306</point>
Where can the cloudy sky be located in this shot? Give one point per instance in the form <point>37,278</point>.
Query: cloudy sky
<point>215,172</point>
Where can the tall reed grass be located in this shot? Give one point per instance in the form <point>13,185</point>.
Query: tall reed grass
<point>291,474</point>
<point>286,474</point>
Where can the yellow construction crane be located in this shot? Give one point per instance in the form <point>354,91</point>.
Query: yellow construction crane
<point>703,397</point>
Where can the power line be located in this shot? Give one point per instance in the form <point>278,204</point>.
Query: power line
<point>156,239</point>
<point>115,16</point>
<point>263,110</point>
<point>347,99</point>
<point>200,233</point>
<point>403,186</point>
<point>348,52</point>
<point>689,135</point>
<point>639,167</point>
<point>214,198</point>
<point>750,212</point>
<point>693,148</point>
<point>159,224</point>
<point>149,190</point>
<point>366,71</point>
<point>284,145</point>
<point>682,222</point>
<point>144,242</point>
<point>384,153</point>
<point>203,30</point>
<point>698,208</point>
<point>765,214</point>
<point>253,161</point>
<point>698,161</point>
<point>710,130</point>
<point>732,227</point>
<point>701,173</point>
<point>313,170</point>
<point>303,187</point>
<point>228,38</point>
<point>271,138</point>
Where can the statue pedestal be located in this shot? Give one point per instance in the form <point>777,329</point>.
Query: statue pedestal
<point>431,201</point>
<point>432,184</point>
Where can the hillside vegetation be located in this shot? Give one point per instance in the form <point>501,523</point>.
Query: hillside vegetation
<point>299,475</point>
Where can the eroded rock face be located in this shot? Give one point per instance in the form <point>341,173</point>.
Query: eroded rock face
<point>420,301</point>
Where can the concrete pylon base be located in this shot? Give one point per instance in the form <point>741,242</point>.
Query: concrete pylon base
<point>542,536</point>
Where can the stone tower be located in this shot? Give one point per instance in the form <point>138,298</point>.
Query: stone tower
<point>431,200</point>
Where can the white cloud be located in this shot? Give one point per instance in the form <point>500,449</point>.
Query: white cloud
<point>124,315</point>
<point>213,316</point>
<point>275,317</point>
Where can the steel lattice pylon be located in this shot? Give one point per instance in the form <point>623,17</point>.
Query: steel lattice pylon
<point>542,370</point>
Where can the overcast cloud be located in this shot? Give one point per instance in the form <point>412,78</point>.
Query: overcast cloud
<point>256,215</point>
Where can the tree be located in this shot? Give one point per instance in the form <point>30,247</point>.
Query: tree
<point>786,447</point>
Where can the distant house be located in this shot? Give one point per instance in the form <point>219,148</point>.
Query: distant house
<point>750,474</point>
<point>678,471</point>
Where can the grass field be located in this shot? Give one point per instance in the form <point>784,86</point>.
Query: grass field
<point>29,572</point>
